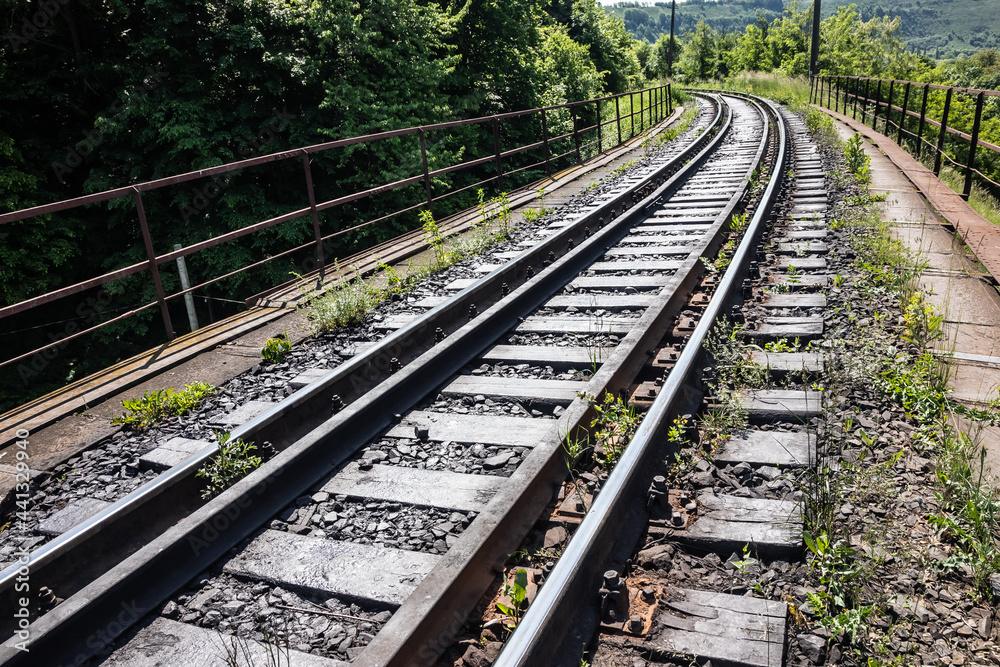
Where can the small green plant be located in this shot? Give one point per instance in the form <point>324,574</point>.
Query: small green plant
<point>517,591</point>
<point>275,349</point>
<point>838,605</point>
<point>393,277</point>
<point>616,422</point>
<point>343,303</point>
<point>232,463</point>
<point>794,275</point>
<point>155,406</point>
<point>783,346</point>
<point>432,236</point>
<point>858,162</point>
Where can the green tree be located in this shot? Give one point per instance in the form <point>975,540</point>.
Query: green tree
<point>699,53</point>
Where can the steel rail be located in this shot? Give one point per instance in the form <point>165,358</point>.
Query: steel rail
<point>79,614</point>
<point>434,614</point>
<point>553,621</point>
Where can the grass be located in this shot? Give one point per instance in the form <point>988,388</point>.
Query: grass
<point>792,92</point>
<point>233,462</point>
<point>981,201</point>
<point>154,407</point>
<point>349,301</point>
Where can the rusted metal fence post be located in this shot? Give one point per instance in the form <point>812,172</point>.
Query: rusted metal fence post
<point>545,142</point>
<point>670,100</point>
<point>631,117</point>
<point>857,93</point>
<point>618,118</point>
<point>943,132</point>
<point>427,176</point>
<point>317,236</point>
<point>600,133</point>
<point>878,105</point>
<point>973,144</point>
<point>836,96</point>
<point>496,153</point>
<point>888,109</point>
<point>903,116</point>
<point>147,240</point>
<point>923,117</point>
<point>864,105</point>
<point>576,136</point>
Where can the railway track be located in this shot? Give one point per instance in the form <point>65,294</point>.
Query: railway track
<point>377,529</point>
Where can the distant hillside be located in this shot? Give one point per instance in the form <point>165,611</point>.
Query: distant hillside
<point>942,29</point>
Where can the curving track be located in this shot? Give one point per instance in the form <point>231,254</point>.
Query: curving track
<point>390,518</point>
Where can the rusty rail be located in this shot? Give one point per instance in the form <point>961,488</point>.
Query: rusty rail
<point>654,104</point>
<point>843,92</point>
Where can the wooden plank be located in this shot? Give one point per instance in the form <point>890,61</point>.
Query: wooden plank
<point>589,324</point>
<point>784,449</point>
<point>637,265</point>
<point>416,486</point>
<point>359,571</point>
<point>471,428</point>
<point>547,355</point>
<point>724,629</point>
<point>620,283</point>
<point>786,362</point>
<point>794,301</point>
<point>636,251</point>
<point>545,391</point>
<point>802,263</point>
<point>791,405</point>
<point>602,301</point>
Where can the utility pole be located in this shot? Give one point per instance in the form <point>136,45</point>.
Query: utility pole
<point>670,45</point>
<point>814,47</point>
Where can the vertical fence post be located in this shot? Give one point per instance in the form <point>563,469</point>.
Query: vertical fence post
<point>864,105</point>
<point>545,141</point>
<point>904,114</point>
<point>923,117</point>
<point>943,132</point>
<point>576,136</point>
<point>670,100</point>
<point>829,91</point>
<point>427,174</point>
<point>878,105</point>
<point>836,96</point>
<point>618,118</point>
<point>888,108</point>
<point>812,87</point>
<point>973,144</point>
<point>147,239</point>
<point>423,162</point>
<point>496,153</point>
<point>600,132</point>
<point>317,237</point>
<point>631,116</point>
<point>857,93</point>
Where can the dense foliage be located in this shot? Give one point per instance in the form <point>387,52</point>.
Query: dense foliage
<point>944,29</point>
<point>104,93</point>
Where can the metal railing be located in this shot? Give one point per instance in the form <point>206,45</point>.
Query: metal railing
<point>645,108</point>
<point>841,92</point>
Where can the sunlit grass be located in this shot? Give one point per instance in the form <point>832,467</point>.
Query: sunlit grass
<point>793,92</point>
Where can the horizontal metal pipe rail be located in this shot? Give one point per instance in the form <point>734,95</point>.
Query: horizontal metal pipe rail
<point>153,260</point>
<point>839,87</point>
<point>570,589</point>
<point>359,375</point>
